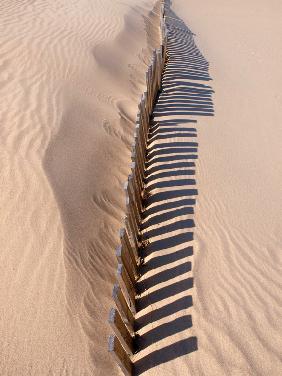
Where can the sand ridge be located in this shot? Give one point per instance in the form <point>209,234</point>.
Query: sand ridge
<point>71,73</point>
<point>67,113</point>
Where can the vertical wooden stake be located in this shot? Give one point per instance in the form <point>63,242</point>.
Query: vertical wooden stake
<point>124,239</point>
<point>127,286</point>
<point>120,355</point>
<point>124,258</point>
<point>121,331</point>
<point>123,307</point>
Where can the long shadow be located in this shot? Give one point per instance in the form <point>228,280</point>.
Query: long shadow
<point>169,309</point>
<point>168,174</point>
<point>171,194</point>
<point>163,276</point>
<point>171,158</point>
<point>165,330</point>
<point>166,216</point>
<point>172,150</point>
<point>166,283</point>
<point>171,242</point>
<point>166,354</point>
<point>168,258</point>
<point>168,166</point>
<point>172,145</point>
<point>174,226</point>
<point>172,183</point>
<point>159,130</point>
<point>149,211</point>
<point>165,292</point>
<point>166,135</point>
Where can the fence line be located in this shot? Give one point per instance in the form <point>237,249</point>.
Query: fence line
<point>121,319</point>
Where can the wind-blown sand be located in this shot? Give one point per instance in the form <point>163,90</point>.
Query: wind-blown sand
<point>238,236</point>
<point>70,78</point>
<point>71,73</point>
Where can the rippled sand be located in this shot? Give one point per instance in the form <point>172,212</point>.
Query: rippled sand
<point>71,73</point>
<point>68,90</point>
<point>238,235</point>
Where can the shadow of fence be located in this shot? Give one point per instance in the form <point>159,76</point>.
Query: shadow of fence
<point>156,245</point>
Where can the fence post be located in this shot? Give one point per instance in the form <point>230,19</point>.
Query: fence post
<point>126,285</point>
<point>124,239</point>
<point>120,355</point>
<point>121,345</point>
<point>121,331</point>
<point>123,307</point>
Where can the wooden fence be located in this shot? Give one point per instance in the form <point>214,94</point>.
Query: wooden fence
<point>121,318</point>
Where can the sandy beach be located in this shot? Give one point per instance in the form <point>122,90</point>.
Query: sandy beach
<point>71,76</point>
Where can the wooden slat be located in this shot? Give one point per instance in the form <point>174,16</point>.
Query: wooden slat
<point>144,120</point>
<point>133,203</point>
<point>127,287</point>
<point>135,197</point>
<point>140,145</point>
<point>149,88</point>
<point>138,150</point>
<point>137,179</point>
<point>137,172</point>
<point>123,307</point>
<point>154,77</point>
<point>124,258</point>
<point>148,113</point>
<point>120,355</point>
<point>159,69</point>
<point>131,228</point>
<point>124,239</point>
<point>121,331</point>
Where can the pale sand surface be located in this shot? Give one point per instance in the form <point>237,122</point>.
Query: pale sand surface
<point>238,235</point>
<point>70,76</point>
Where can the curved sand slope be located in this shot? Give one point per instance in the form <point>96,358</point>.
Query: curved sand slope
<point>70,76</point>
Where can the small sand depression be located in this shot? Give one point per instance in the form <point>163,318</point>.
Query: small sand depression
<point>71,74</point>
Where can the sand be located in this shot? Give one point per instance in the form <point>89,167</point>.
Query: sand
<point>69,91</point>
<point>71,73</point>
<point>238,235</point>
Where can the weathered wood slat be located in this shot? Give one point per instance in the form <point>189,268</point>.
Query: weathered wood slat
<point>136,198</point>
<point>159,67</point>
<point>131,204</point>
<point>123,307</point>
<point>131,215</point>
<point>137,176</point>
<point>137,180</point>
<point>120,355</point>
<point>127,287</point>
<point>140,146</point>
<point>124,258</point>
<point>148,114</point>
<point>129,225</point>
<point>125,241</point>
<point>149,88</point>
<point>144,119</point>
<point>121,331</point>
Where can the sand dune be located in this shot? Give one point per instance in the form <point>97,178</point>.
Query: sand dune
<point>71,73</point>
<point>237,262</point>
<point>69,92</point>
